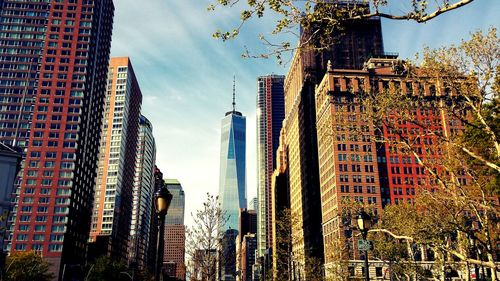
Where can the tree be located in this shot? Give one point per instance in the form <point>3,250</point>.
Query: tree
<point>27,266</point>
<point>106,269</point>
<point>459,203</point>
<point>324,18</point>
<point>204,240</point>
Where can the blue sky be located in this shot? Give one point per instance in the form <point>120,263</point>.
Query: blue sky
<point>186,76</point>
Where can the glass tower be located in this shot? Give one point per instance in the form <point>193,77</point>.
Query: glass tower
<point>232,183</point>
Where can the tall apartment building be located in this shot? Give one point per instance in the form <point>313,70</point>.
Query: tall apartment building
<point>53,66</point>
<point>143,195</point>
<point>356,168</point>
<point>113,195</point>
<point>270,115</point>
<point>175,232</point>
<point>306,71</point>
<point>347,156</point>
<point>232,178</point>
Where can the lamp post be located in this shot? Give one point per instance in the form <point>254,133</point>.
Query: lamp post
<point>479,256</point>
<point>472,244</point>
<point>364,224</point>
<point>162,202</point>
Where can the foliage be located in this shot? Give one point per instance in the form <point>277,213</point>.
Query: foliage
<point>325,19</point>
<point>204,239</point>
<point>143,275</point>
<point>27,266</point>
<point>282,251</point>
<point>106,269</point>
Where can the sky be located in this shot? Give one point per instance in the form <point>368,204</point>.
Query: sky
<point>186,76</point>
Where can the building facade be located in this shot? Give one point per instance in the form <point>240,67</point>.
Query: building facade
<point>246,244</point>
<point>53,80</point>
<point>143,195</point>
<point>232,180</point>
<point>347,158</point>
<point>10,160</point>
<point>111,215</point>
<point>254,204</point>
<point>247,256</point>
<point>270,115</point>
<point>354,166</point>
<point>175,232</point>
<point>358,40</point>
<point>281,217</point>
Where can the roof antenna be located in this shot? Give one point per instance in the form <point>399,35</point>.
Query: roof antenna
<point>234,93</point>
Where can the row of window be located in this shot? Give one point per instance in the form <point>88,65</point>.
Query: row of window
<point>39,247</point>
<point>356,168</point>
<point>358,189</point>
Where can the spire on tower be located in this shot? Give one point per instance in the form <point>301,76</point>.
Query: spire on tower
<point>234,93</point>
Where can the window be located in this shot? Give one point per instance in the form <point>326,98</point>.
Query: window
<point>38,237</point>
<point>20,247</point>
<point>55,247</point>
<point>41,218</point>
<point>24,227</point>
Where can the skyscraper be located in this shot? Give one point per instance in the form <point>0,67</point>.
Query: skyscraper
<point>306,71</point>
<point>175,232</point>
<point>270,115</point>
<point>232,180</point>
<point>53,81</point>
<point>144,188</point>
<point>232,184</point>
<point>115,178</point>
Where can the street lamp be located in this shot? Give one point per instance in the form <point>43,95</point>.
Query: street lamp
<point>472,244</point>
<point>364,224</point>
<point>162,202</point>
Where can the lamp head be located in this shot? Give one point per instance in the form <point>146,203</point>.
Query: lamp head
<point>163,198</point>
<point>364,221</point>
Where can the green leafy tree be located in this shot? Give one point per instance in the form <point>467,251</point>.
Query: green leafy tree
<point>27,266</point>
<point>324,18</point>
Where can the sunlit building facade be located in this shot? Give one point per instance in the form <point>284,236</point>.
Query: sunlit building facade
<point>113,196</point>
<point>143,195</point>
<point>270,115</point>
<point>53,81</point>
